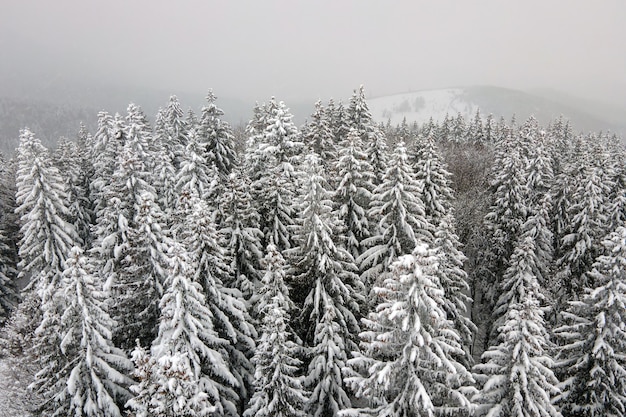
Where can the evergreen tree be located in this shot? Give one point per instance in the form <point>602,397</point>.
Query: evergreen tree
<point>230,318</point>
<point>187,373</point>
<point>140,282</point>
<point>72,162</point>
<point>518,380</point>
<point>167,388</point>
<point>275,175</point>
<point>588,225</point>
<point>107,143</point>
<point>175,128</point>
<point>402,218</point>
<point>278,391</point>
<point>430,170</point>
<point>41,198</point>
<point>339,123</point>
<point>592,359</point>
<point>46,239</point>
<point>408,366</point>
<point>474,132</point>
<point>507,213</point>
<point>97,380</point>
<point>330,310</point>
<point>241,234</point>
<point>195,176</point>
<point>9,219</point>
<point>458,130</point>
<point>218,137</point>
<point>354,192</point>
<point>360,119</point>
<point>320,139</point>
<point>166,162</point>
<point>453,279</point>
<point>9,297</point>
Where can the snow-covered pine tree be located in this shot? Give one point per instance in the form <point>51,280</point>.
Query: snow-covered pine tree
<point>540,180</point>
<point>475,133</point>
<point>138,136</point>
<point>617,196</point>
<point>278,391</point>
<point>402,219</point>
<point>41,199</point>
<point>516,378</point>
<point>241,233</point>
<point>72,162</point>
<point>97,379</point>
<point>275,176</point>
<point>142,273</point>
<point>339,124</point>
<point>186,372</point>
<point>166,388</point>
<point>9,297</point>
<point>588,215</point>
<point>592,359</point>
<point>360,119</point>
<point>175,128</point>
<point>217,136</point>
<point>230,317</point>
<point>319,138</point>
<point>46,239</point>
<point>106,145</point>
<point>430,170</point>
<point>490,130</point>
<point>354,192</point>
<point>454,282</point>
<point>9,219</point>
<point>195,175</point>
<point>407,367</point>
<point>166,163</point>
<point>506,215</point>
<point>569,160</point>
<point>329,314</point>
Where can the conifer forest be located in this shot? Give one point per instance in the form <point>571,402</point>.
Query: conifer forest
<point>174,265</point>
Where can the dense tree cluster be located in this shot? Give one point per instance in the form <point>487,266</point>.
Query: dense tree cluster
<point>341,268</point>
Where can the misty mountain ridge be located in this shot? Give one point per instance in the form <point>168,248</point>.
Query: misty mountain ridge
<point>420,106</point>
<point>54,110</point>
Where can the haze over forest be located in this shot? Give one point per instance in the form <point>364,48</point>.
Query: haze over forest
<point>94,56</point>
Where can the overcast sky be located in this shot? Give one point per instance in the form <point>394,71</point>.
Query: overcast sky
<point>310,49</point>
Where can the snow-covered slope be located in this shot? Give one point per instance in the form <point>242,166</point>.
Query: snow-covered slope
<point>419,106</point>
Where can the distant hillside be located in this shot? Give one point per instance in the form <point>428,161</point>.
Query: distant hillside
<point>49,121</point>
<point>421,105</point>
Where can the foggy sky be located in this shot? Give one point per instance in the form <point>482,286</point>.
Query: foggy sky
<point>309,49</point>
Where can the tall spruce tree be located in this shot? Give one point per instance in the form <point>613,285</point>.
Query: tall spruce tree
<point>319,138</point>
<point>186,372</point>
<point>47,237</point>
<point>592,359</point>
<point>240,228</point>
<point>329,314</point>
<point>97,382</point>
<point>230,317</point>
<point>354,192</point>
<point>407,367</point>
<point>217,136</point>
<point>402,220</point>
<point>278,389</point>
<point>360,119</point>
<point>275,176</point>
